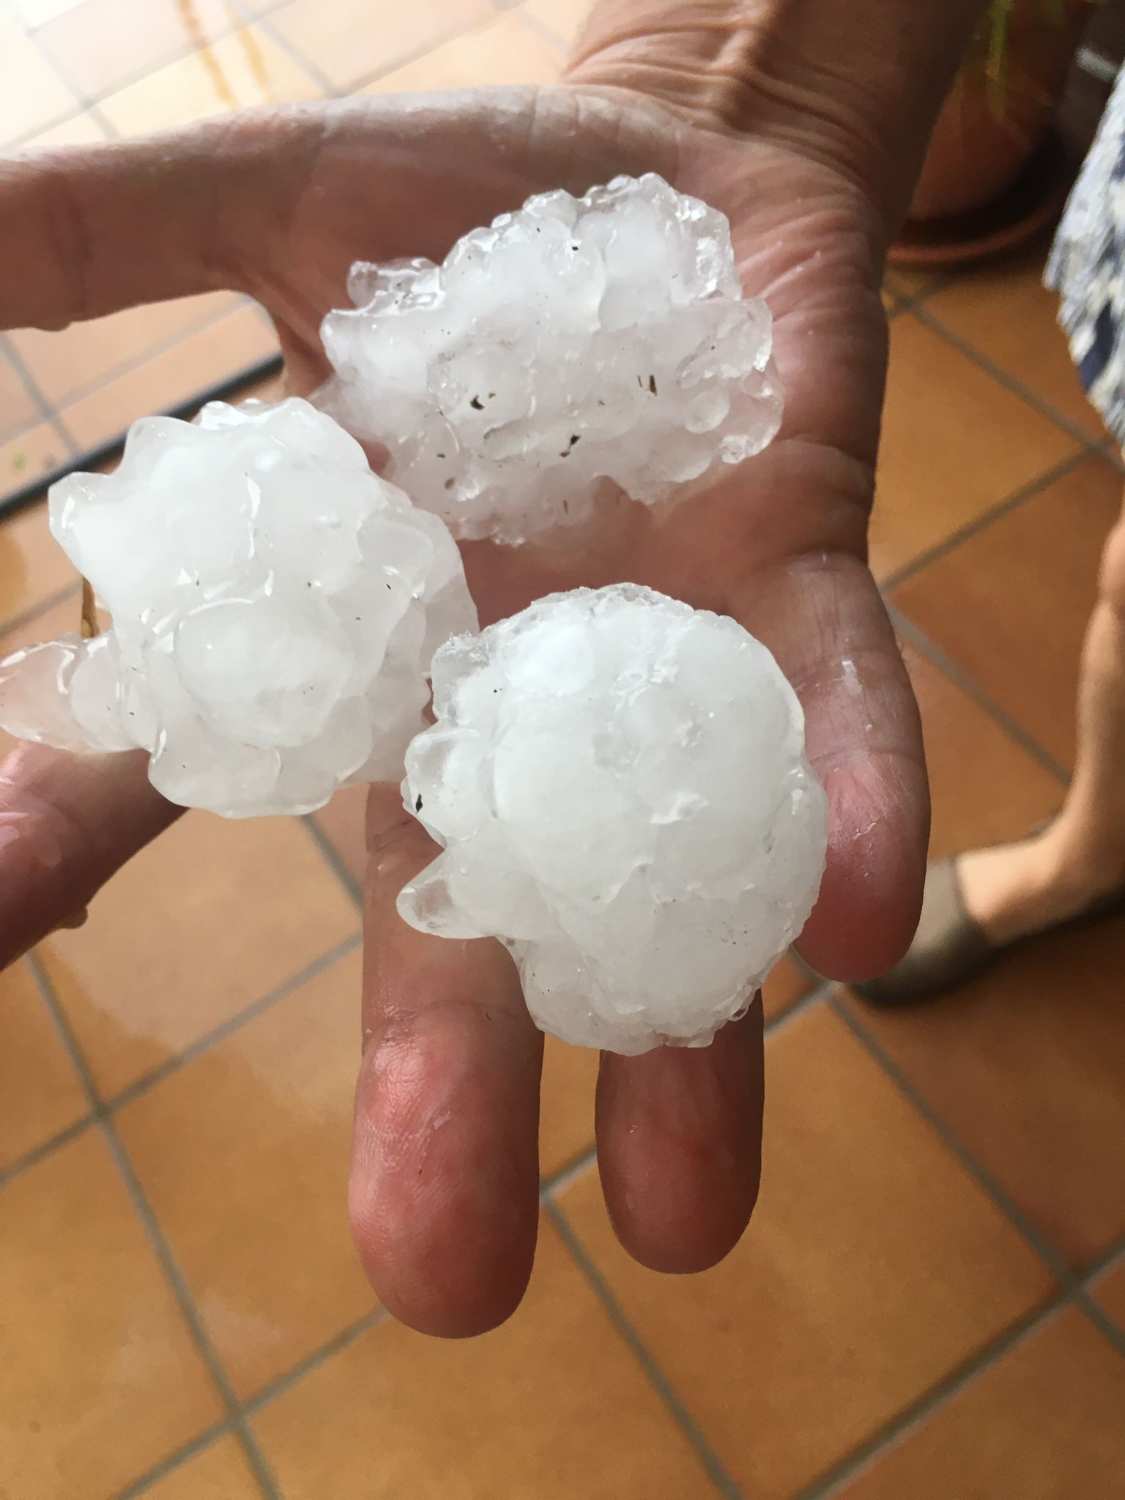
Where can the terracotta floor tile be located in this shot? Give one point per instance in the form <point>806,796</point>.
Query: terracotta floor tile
<point>99,44</point>
<point>955,442</point>
<point>99,1379</point>
<point>566,1111</point>
<point>1025,1064</point>
<point>1011,604</point>
<point>511,50</point>
<point>1109,1292</point>
<point>209,918</point>
<point>343,823</point>
<point>32,95</point>
<point>787,984</point>
<point>79,130</point>
<point>552,1405</point>
<point>18,407</point>
<point>984,787</point>
<point>33,567</point>
<point>31,455</point>
<point>1006,313</point>
<point>1044,1423</point>
<point>244,68</point>
<point>562,18</point>
<point>176,375</point>
<point>873,1266</point>
<point>219,1473</point>
<point>69,361</point>
<point>40,1091</point>
<point>338,38</point>
<point>243,1154</point>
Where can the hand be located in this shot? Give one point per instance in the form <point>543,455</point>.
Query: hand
<point>278,205</point>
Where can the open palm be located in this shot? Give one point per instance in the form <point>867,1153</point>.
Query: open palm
<point>279,205</point>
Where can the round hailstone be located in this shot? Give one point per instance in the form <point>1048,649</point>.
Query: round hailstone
<point>574,342</point>
<point>620,785</point>
<point>275,607</point>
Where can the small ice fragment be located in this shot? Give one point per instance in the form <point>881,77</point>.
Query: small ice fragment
<point>575,341</point>
<point>620,786</point>
<point>275,607</point>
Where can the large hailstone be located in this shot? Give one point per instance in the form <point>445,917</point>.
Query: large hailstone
<point>576,341</point>
<point>621,788</point>
<point>275,607</point>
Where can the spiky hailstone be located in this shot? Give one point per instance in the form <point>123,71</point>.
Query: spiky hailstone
<point>574,342</point>
<point>621,788</point>
<point>275,607</point>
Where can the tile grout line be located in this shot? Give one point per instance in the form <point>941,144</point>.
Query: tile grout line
<point>173,1461</point>
<point>1074,1283</point>
<point>895,1429</point>
<point>570,1172</point>
<point>339,1341</point>
<point>331,857</point>
<point>46,1148</point>
<point>716,1472</point>
<point>284,1382</point>
<point>145,354</point>
<point>248,1408</point>
<point>1011,383</point>
<point>982,522</point>
<point>916,637</point>
<point>1100,1319</point>
<point>984,1179</point>
<point>230,1027</point>
<point>406,59</point>
<point>157,1241</point>
<point>1109,1262</point>
<point>1105,1261</point>
<point>295,55</point>
<point>15,499</point>
<point>198,1048</point>
<point>557,44</point>
<point>86,105</point>
<point>938,282</point>
<point>10,355</point>
<point>1073,1287</point>
<point>48,413</point>
<point>90,101</point>
<point>808,1001</point>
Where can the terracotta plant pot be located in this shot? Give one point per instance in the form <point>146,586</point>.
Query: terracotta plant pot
<point>988,129</point>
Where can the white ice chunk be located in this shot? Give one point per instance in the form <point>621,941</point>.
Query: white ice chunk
<point>621,789</point>
<point>575,341</point>
<point>275,607</point>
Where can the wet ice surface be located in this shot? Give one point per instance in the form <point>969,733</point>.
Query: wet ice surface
<point>621,788</point>
<point>574,342</point>
<point>275,607</point>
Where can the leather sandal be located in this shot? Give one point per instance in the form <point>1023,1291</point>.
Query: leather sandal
<point>949,948</point>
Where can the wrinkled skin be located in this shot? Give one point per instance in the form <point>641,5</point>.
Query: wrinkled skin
<point>279,205</point>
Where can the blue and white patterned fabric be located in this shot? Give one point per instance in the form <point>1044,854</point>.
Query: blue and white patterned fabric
<point>1087,267</point>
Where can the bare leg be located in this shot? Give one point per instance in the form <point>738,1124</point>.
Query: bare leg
<point>1024,887</point>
